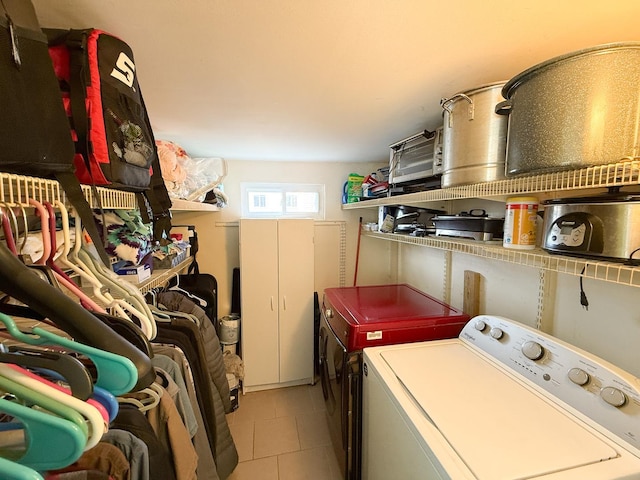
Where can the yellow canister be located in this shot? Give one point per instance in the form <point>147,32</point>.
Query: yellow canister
<point>520,223</point>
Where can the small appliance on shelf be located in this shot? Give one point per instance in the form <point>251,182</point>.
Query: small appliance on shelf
<point>475,224</point>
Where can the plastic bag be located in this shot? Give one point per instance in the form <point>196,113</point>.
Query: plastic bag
<point>189,178</point>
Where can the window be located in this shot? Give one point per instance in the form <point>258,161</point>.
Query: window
<point>282,200</point>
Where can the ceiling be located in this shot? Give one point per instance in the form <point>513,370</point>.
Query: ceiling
<point>328,80</point>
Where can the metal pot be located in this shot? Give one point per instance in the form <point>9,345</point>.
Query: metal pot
<point>575,110</point>
<point>474,137</point>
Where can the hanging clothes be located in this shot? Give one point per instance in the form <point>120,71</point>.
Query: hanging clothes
<point>173,300</point>
<point>132,420</point>
<point>187,336</point>
<point>206,469</point>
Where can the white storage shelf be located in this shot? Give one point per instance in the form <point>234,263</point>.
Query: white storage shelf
<point>160,278</point>
<point>544,186</point>
<point>606,271</point>
<point>575,183</point>
<point>179,205</point>
<point>16,190</point>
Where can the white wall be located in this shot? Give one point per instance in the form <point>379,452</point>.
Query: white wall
<point>610,328</point>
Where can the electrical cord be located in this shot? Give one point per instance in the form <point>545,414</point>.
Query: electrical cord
<point>631,261</point>
<point>583,296</point>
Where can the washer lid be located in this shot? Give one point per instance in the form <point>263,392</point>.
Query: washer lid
<point>500,428</point>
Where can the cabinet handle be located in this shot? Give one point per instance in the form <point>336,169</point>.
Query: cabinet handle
<point>271,300</point>
<point>284,303</point>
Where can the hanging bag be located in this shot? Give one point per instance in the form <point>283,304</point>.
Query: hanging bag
<point>34,131</point>
<point>114,142</point>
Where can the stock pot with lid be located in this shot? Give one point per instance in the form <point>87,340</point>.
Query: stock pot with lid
<point>474,137</point>
<point>575,110</point>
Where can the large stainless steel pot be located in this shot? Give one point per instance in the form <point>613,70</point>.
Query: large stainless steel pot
<point>575,110</point>
<point>474,137</point>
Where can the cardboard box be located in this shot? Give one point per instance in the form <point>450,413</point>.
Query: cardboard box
<point>135,273</point>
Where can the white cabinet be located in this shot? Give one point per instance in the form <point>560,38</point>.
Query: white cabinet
<point>276,288</point>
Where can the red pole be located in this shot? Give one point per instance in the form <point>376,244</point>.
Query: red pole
<point>355,275</point>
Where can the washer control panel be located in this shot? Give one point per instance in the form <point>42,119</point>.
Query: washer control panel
<point>566,374</point>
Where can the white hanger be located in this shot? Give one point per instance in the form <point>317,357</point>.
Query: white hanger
<point>97,287</point>
<point>153,394</point>
<point>86,262</point>
<point>176,288</point>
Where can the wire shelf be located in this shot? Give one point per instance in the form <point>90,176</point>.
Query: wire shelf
<point>160,278</point>
<point>18,189</point>
<point>601,176</point>
<point>612,272</point>
<point>110,198</point>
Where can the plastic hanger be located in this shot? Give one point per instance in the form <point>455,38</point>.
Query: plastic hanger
<point>176,288</point>
<point>70,369</point>
<point>20,283</point>
<point>10,234</point>
<point>150,398</point>
<point>95,421</point>
<point>44,223</point>
<point>51,442</point>
<point>115,372</point>
<point>108,400</point>
<point>128,330</point>
<point>146,320</point>
<point>42,400</point>
<point>104,297</point>
<point>52,377</point>
<point>46,242</point>
<point>14,471</point>
<point>134,304</point>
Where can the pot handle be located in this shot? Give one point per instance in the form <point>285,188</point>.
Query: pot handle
<point>446,102</point>
<point>504,108</point>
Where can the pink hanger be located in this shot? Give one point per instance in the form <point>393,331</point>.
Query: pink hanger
<point>87,302</point>
<point>46,238</point>
<point>94,403</point>
<point>8,233</point>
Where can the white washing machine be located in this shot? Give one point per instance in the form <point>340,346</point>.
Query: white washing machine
<point>501,402</point>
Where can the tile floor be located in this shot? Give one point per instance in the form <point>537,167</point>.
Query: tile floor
<point>282,434</point>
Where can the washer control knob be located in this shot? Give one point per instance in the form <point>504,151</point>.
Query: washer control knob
<point>328,313</point>
<point>613,396</point>
<point>480,325</point>
<point>496,333</point>
<point>532,350</point>
<point>579,376</point>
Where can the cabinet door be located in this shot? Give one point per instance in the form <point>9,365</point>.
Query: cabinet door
<point>259,297</point>
<point>296,277</point>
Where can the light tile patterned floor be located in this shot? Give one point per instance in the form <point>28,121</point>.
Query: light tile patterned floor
<point>282,434</point>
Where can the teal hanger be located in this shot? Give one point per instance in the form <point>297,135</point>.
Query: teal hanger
<point>14,471</point>
<point>116,373</point>
<point>51,442</point>
<point>32,397</point>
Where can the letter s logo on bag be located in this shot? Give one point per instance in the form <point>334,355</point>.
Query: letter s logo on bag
<point>124,70</point>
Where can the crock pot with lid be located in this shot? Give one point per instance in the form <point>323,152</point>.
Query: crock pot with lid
<point>575,110</point>
<point>603,226</point>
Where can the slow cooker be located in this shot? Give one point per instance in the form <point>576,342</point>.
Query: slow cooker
<point>606,226</point>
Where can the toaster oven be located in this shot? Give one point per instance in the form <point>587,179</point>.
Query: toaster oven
<point>416,158</point>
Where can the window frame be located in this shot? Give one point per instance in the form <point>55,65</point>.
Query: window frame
<point>248,188</point>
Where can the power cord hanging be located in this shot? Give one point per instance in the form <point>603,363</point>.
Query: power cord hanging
<point>583,296</point>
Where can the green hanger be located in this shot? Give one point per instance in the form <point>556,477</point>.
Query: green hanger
<point>116,373</point>
<point>14,471</point>
<point>32,397</point>
<point>51,441</point>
